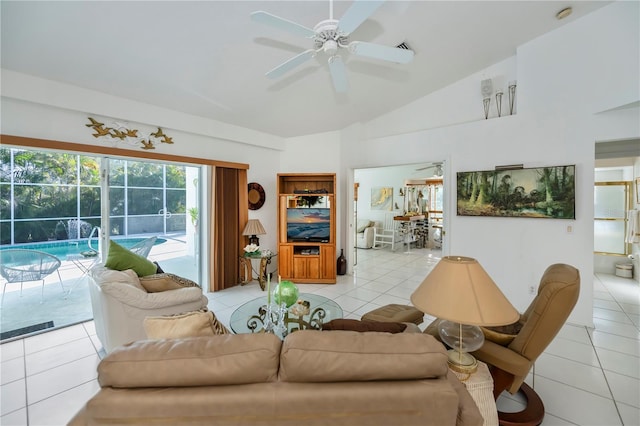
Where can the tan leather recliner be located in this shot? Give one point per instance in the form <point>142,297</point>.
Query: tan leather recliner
<point>557,295</point>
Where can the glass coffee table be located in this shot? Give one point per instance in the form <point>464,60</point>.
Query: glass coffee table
<point>252,316</point>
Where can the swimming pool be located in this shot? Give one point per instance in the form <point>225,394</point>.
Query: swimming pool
<point>61,249</point>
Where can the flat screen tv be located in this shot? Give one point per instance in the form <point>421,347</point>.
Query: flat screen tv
<point>308,224</point>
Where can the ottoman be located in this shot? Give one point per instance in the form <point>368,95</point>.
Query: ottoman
<point>395,313</point>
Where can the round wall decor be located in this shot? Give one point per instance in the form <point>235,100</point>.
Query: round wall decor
<point>256,196</point>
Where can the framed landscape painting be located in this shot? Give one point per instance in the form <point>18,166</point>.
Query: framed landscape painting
<point>541,192</point>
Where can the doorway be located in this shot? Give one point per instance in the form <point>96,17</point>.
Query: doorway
<point>385,192</point>
<point>617,164</point>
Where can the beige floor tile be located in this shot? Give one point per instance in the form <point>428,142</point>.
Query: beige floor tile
<point>577,406</point>
<point>53,338</point>
<point>625,389</point>
<point>15,418</point>
<point>12,370</point>
<point>12,397</point>
<point>55,356</point>
<point>60,408</point>
<point>572,373</point>
<point>11,350</point>
<point>618,362</point>
<point>59,379</point>
<point>630,415</point>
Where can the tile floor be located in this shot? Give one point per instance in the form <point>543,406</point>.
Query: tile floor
<point>585,377</point>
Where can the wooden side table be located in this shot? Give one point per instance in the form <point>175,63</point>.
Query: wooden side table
<point>480,386</point>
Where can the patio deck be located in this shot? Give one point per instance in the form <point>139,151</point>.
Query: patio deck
<point>73,305</point>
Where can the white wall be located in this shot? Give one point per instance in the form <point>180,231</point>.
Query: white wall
<point>42,118</point>
<point>566,78</point>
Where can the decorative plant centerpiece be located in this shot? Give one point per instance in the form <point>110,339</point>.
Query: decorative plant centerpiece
<point>252,249</point>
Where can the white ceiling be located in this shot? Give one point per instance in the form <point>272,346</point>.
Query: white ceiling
<point>208,58</point>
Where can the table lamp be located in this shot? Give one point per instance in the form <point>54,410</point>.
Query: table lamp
<point>254,228</point>
<point>463,296</point>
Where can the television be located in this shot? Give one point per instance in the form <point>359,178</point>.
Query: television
<point>308,224</point>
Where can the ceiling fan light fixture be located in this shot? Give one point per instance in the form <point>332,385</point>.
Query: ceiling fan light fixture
<point>330,47</point>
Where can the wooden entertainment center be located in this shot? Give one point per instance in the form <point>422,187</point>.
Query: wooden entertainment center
<point>307,227</point>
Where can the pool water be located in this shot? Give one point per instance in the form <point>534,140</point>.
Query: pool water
<point>61,249</point>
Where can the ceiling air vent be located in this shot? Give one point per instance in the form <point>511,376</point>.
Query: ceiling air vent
<point>404,45</point>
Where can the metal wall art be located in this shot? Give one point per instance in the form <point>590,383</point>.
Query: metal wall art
<point>130,136</point>
<point>542,192</point>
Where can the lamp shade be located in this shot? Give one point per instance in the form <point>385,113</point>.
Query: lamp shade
<point>458,289</point>
<point>253,227</point>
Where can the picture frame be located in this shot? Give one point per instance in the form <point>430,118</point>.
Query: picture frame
<point>539,192</point>
<point>382,198</point>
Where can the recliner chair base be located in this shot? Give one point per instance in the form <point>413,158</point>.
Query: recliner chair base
<point>532,415</point>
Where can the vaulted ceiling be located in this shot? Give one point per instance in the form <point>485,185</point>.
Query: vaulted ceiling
<point>208,58</point>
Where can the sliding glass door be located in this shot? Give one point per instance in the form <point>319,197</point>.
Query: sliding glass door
<point>53,202</point>
<point>162,200</point>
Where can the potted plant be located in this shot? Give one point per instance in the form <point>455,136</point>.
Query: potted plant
<point>193,214</point>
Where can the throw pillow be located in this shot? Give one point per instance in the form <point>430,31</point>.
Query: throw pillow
<point>363,326</point>
<point>190,324</point>
<point>119,258</point>
<point>502,335</point>
<point>362,225</point>
<point>162,282</point>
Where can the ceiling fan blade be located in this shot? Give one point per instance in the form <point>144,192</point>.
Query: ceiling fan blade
<point>281,23</point>
<point>378,51</point>
<point>297,60</point>
<point>338,74</point>
<point>359,11</point>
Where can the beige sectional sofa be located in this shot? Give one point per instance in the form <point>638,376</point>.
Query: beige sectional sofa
<point>312,378</point>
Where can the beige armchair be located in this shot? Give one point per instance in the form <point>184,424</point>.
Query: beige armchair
<point>120,305</point>
<point>557,295</point>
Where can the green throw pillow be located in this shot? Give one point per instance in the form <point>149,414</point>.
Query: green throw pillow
<point>119,258</point>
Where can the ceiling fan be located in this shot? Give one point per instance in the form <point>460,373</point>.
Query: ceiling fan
<point>438,172</point>
<point>331,35</point>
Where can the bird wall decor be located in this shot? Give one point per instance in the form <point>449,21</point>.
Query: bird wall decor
<point>124,134</point>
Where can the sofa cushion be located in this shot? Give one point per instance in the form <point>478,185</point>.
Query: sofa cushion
<point>162,282</point>
<point>119,258</point>
<point>363,326</point>
<point>342,356</point>
<point>196,361</point>
<point>190,324</point>
<point>103,275</point>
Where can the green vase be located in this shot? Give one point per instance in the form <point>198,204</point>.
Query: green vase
<point>288,291</point>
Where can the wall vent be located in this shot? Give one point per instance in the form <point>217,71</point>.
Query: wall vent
<point>404,45</point>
